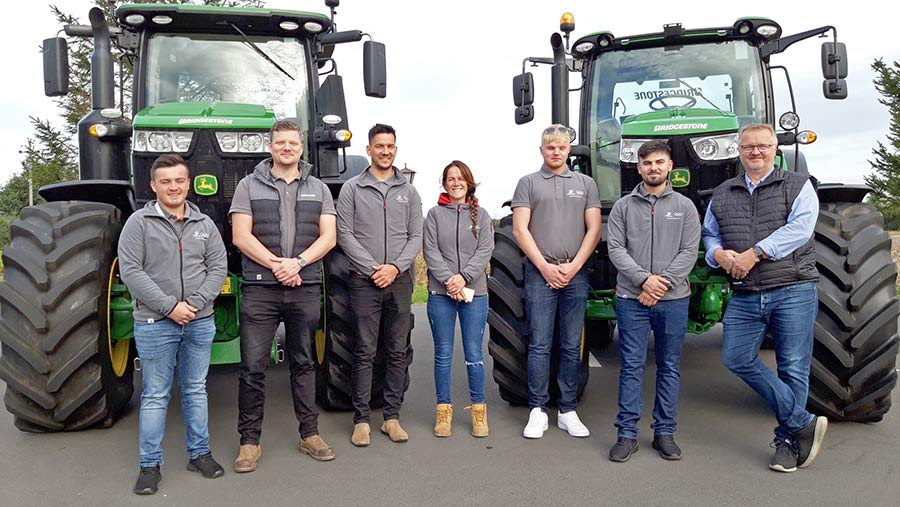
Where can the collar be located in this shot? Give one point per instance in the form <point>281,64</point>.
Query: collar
<point>639,190</point>
<point>445,200</point>
<point>749,183</point>
<point>366,178</point>
<point>547,173</point>
<point>165,214</point>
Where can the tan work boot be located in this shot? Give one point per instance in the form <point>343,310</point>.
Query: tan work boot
<point>443,415</point>
<point>360,437</point>
<point>248,458</point>
<point>316,448</point>
<point>392,429</point>
<point>479,419</point>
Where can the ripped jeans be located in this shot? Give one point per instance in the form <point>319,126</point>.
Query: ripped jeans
<point>442,312</point>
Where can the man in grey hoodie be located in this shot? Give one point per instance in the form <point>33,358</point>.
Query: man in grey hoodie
<point>283,223</point>
<point>653,240</point>
<point>380,230</point>
<point>172,259</point>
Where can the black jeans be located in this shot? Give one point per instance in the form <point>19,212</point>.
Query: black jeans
<point>262,308</point>
<point>375,310</point>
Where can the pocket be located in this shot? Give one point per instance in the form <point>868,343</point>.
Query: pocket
<point>147,339</point>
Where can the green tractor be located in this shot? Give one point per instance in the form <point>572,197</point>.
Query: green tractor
<point>694,89</point>
<point>208,83</point>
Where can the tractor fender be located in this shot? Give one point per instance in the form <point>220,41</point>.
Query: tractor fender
<point>115,192</point>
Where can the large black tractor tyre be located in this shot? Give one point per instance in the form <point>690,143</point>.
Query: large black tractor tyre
<point>333,377</point>
<point>508,345</point>
<point>53,319</point>
<point>856,341</point>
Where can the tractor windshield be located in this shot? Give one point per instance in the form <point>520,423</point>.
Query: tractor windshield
<point>222,68</point>
<point>724,76</point>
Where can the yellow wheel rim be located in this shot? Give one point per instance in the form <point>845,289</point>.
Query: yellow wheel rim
<point>118,351</point>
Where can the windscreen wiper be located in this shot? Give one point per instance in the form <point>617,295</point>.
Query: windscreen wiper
<point>252,45</point>
<point>699,93</point>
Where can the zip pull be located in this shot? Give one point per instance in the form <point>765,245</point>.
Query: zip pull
<point>385,203</point>
<point>179,246</point>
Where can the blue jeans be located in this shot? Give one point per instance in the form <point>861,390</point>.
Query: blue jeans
<point>668,320</point>
<point>442,312</point>
<point>789,314</point>
<point>160,344</point>
<point>544,307</point>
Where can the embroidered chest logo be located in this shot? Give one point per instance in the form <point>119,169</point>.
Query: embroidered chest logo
<point>674,215</point>
<point>403,199</point>
<point>203,236</point>
<point>578,194</point>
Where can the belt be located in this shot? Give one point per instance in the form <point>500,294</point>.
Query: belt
<point>553,260</point>
<point>358,275</point>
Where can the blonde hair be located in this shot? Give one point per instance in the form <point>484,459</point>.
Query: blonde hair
<point>758,126</point>
<point>558,134</point>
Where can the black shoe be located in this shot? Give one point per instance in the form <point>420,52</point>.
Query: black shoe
<point>147,481</point>
<point>809,440</point>
<point>785,458</point>
<point>623,449</point>
<point>667,448</point>
<point>207,466</point>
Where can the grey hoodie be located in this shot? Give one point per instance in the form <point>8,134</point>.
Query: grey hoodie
<point>379,223</point>
<point>450,247</point>
<point>653,235</point>
<point>162,266</point>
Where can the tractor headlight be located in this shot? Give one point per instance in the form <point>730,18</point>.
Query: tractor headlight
<point>628,149</point>
<point>162,141</point>
<point>243,142</point>
<point>721,147</point>
<point>251,142</point>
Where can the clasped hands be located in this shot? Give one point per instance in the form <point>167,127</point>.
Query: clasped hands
<point>455,285</point>
<point>654,288</point>
<point>738,265</point>
<point>286,271</point>
<point>558,276</point>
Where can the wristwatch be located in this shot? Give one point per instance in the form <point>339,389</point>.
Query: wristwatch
<point>758,252</point>
<point>302,262</point>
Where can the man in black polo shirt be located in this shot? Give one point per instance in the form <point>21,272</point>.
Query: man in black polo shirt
<point>283,222</point>
<point>556,222</point>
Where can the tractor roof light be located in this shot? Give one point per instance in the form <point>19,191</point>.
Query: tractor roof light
<point>744,28</point>
<point>162,20</point>
<point>312,27</point>
<point>135,19</point>
<point>584,47</point>
<point>567,22</point>
<point>289,25</point>
<point>767,31</point>
<point>604,41</point>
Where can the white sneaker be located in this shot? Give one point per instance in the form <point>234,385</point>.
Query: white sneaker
<point>537,424</point>
<point>569,422</point>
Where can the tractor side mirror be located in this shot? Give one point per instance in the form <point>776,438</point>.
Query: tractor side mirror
<point>375,69</point>
<point>834,70</point>
<point>56,67</point>
<point>523,89</point>
<point>834,60</point>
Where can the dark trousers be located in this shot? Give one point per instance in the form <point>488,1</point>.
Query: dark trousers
<point>262,308</point>
<point>375,310</point>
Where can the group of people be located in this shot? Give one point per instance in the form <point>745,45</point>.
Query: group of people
<point>758,229</point>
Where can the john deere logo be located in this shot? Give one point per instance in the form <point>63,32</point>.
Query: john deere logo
<point>680,178</point>
<point>206,185</point>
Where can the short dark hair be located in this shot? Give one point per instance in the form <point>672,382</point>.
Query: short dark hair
<point>167,160</point>
<point>283,125</point>
<point>651,147</point>
<point>381,128</point>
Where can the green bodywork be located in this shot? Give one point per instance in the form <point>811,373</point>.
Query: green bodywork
<point>192,115</point>
<point>679,121</point>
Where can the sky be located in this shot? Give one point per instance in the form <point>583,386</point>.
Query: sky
<point>450,70</point>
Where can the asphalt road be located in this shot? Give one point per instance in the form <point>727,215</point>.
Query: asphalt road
<point>723,428</point>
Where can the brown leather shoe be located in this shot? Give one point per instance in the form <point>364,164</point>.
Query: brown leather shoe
<point>392,429</point>
<point>360,437</point>
<point>479,419</point>
<point>316,448</point>
<point>443,415</point>
<point>248,458</point>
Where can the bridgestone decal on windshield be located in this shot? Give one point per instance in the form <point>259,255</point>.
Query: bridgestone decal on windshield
<point>680,126</point>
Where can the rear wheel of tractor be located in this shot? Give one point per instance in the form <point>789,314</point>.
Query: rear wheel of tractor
<point>856,340</point>
<point>334,388</point>
<point>599,333</point>
<point>62,371</point>
<point>508,345</point>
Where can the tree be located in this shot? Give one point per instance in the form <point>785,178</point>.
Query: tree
<point>885,179</point>
<point>51,154</point>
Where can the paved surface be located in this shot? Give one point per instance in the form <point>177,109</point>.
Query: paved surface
<point>724,431</point>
